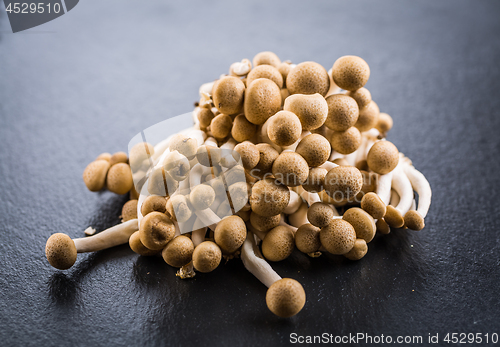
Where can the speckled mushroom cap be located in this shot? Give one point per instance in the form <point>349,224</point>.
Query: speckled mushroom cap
<point>290,169</point>
<point>383,157</point>
<point>205,116</point>
<point>249,154</point>
<point>284,128</point>
<point>358,251</point>
<point>119,179</point>
<point>265,71</point>
<point>206,256</point>
<point>338,237</point>
<point>278,243</point>
<point>315,149</point>
<point>362,97</point>
<point>266,58</point>
<point>346,142</point>
<point>343,112</point>
<point>262,223</point>
<point>269,198</point>
<point>267,156</point>
<point>60,251</point>
<point>154,203</point>
<point>136,245</point>
<point>179,251</point>
<point>129,210</point>
<point>242,129</point>
<point>156,230</point>
<point>104,156</point>
<point>316,180</point>
<point>384,123</point>
<point>221,126</point>
<point>230,234</point>
<point>393,217</point>
<point>343,182</point>
<point>94,175</point>
<point>373,205</point>
<point>228,94</point>
<point>350,72</point>
<point>262,100</point>
<point>285,297</point>
<point>308,78</point>
<point>368,117</point>
<point>320,214</point>
<point>363,223</point>
<point>118,157</point>
<point>414,220</point>
<point>312,110</point>
<point>307,238</point>
<point>202,196</point>
<point>179,208</point>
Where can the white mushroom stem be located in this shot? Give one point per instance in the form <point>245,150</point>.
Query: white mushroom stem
<point>210,141</point>
<point>351,158</point>
<point>422,187</point>
<point>308,197</point>
<point>188,226</point>
<point>294,203</point>
<point>413,205</point>
<point>384,187</point>
<point>198,135</point>
<point>265,138</point>
<point>230,144</point>
<point>328,165</point>
<point>198,235</point>
<point>208,218</point>
<point>361,151</point>
<point>255,264</point>
<point>195,175</point>
<point>299,218</point>
<point>401,184</point>
<point>285,224</point>
<point>114,236</point>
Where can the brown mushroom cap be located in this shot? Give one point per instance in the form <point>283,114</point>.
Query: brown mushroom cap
<point>267,156</point>
<point>278,243</point>
<point>308,78</point>
<point>230,234</point>
<point>221,126</point>
<point>262,223</point>
<point>206,256</point>
<point>363,223</point>
<point>350,72</point>
<point>343,182</point>
<point>383,227</point>
<point>343,112</point>
<point>368,118</point>
<point>284,128</point>
<point>338,237</point>
<point>393,217</point>
<point>315,149</point>
<point>186,146</point>
<point>262,100</point>
<point>358,251</point>
<point>249,154</point>
<point>316,180</point>
<point>156,230</point>
<point>94,175</point>
<point>320,214</point>
<point>179,251</point>
<point>266,58</point>
<point>205,116</point>
<point>384,123</point>
<point>362,97</point>
<point>290,169</point>
<point>346,142</point>
<point>104,156</point>
<point>285,297</point>
<point>179,208</point>
<point>265,71</point>
<point>60,251</point>
<point>372,204</point>
<point>311,110</point>
<point>307,238</point>
<point>119,179</point>
<point>383,157</point>
<point>118,157</point>
<point>269,197</point>
<point>414,220</point>
<point>129,210</point>
<point>284,69</point>
<point>153,203</point>
<point>136,245</point>
<point>228,94</point>
<point>202,196</point>
<point>242,129</point>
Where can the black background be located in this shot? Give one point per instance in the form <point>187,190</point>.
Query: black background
<point>88,81</point>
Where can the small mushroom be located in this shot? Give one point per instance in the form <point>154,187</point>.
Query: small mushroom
<point>368,117</point>
<point>179,208</point>
<point>372,204</point>
<point>230,234</point>
<point>320,214</point>
<point>307,239</point>
<point>269,198</point>
<point>242,129</point>
<point>338,237</point>
<point>177,166</point>
<point>265,71</point>
<point>350,72</point>
<point>278,243</point>
<point>104,156</point>
<point>267,156</point>
<point>221,125</point>
<point>290,169</point>
<point>139,154</point>
<point>414,219</point>
<point>285,298</point>
<point>346,142</point>
<point>94,175</point>
<point>316,180</point>
<point>129,210</point>
<point>262,100</point>
<point>384,123</point>
<point>383,157</point>
<point>228,94</point>
<point>358,251</point>
<point>284,128</point>
<point>187,146</point>
<point>311,110</point>
<point>249,154</point>
<point>156,230</point>
<point>315,149</point>
<point>362,97</point>
<point>205,116</point>
<point>308,78</point>
<point>343,182</point>
<point>137,246</point>
<point>264,224</point>
<point>179,251</point>
<point>362,222</point>
<point>206,256</point>
<point>154,203</point>
<point>202,196</point>
<point>118,157</point>
<point>266,58</point>
<point>343,112</point>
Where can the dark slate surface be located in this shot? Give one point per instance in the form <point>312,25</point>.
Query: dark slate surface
<point>90,80</point>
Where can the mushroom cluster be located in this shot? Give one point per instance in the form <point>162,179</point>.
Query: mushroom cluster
<point>280,157</point>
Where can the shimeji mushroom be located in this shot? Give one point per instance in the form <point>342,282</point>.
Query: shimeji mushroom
<point>308,78</point>
<point>262,100</point>
<point>278,243</point>
<point>338,237</point>
<point>290,169</point>
<point>137,246</point>
<point>299,217</point>
<point>401,184</point>
<point>315,149</point>
<point>362,222</point>
<point>178,252</point>
<point>228,94</point>
<point>264,224</point>
<point>350,72</point>
<point>230,234</point>
<point>283,128</point>
<point>358,251</point>
<point>129,210</point>
<point>156,230</point>
<point>266,58</point>
<point>265,71</point>
<point>307,239</point>
<point>414,219</point>
<point>240,69</point>
<point>320,215</point>
<point>343,182</point>
<point>269,198</point>
<point>153,203</point>
<point>61,250</point>
<point>285,298</point>
<point>94,175</point>
<point>206,256</point>
<point>311,110</point>
<point>374,205</point>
